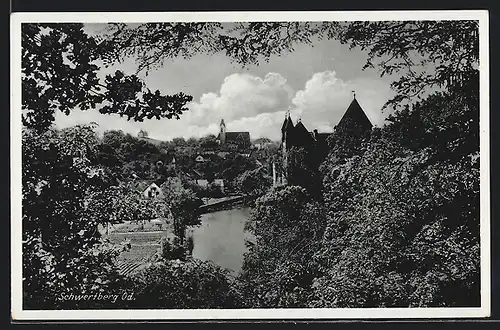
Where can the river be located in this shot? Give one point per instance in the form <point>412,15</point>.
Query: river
<point>221,238</point>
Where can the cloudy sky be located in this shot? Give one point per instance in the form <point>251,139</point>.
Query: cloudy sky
<point>315,83</point>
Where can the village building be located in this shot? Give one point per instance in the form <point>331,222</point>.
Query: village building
<point>153,191</point>
<point>233,140</point>
<point>204,183</point>
<point>147,188</point>
<point>144,136</point>
<point>222,154</point>
<point>200,159</point>
<point>261,143</point>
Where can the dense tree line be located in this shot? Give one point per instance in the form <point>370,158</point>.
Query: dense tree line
<point>132,157</point>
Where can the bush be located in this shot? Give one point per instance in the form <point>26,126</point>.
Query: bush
<point>254,182</point>
<point>278,269</point>
<point>178,284</point>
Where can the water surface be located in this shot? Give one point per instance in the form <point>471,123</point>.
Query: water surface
<point>221,238</point>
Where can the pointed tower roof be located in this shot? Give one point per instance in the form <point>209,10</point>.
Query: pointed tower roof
<point>222,122</point>
<point>355,114</point>
<point>302,135</point>
<point>287,123</point>
<point>299,127</point>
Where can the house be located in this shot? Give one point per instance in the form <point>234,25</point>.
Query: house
<point>168,158</point>
<point>148,188</point>
<point>143,135</point>
<point>222,154</point>
<point>204,183</point>
<point>233,140</point>
<point>153,191</point>
<point>261,143</point>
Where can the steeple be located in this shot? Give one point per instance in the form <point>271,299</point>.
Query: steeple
<point>222,132</point>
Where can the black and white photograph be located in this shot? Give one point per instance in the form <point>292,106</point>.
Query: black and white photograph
<point>250,165</point>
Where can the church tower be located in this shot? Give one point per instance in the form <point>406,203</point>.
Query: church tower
<point>222,132</point>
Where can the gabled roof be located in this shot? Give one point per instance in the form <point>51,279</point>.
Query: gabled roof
<point>262,140</point>
<point>301,134</point>
<point>142,185</point>
<point>300,128</point>
<point>235,136</point>
<point>355,114</point>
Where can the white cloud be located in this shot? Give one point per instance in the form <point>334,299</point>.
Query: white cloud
<point>254,104</point>
<point>241,96</point>
<point>263,125</point>
<point>325,98</point>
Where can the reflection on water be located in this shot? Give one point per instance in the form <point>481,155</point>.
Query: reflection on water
<point>221,238</point>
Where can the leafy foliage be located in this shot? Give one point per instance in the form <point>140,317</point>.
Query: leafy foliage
<point>254,182</point>
<point>129,157</point>
<point>427,54</point>
<point>65,198</point>
<point>235,165</point>
<point>59,73</point>
<point>245,43</point>
<point>403,230</point>
<point>183,205</point>
<point>177,284</point>
<point>278,269</point>
<point>401,204</point>
<point>302,167</point>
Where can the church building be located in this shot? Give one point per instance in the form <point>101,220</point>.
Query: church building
<point>233,140</point>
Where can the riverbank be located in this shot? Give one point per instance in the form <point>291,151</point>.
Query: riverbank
<point>227,203</point>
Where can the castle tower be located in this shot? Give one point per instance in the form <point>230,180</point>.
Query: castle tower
<point>222,132</point>
<point>355,117</point>
<point>286,129</point>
